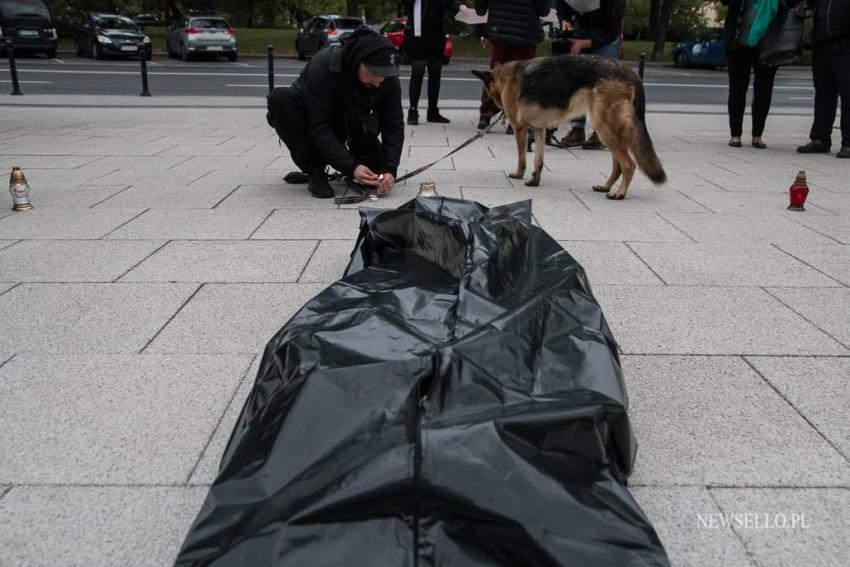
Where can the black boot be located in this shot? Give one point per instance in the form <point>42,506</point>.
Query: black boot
<point>815,146</point>
<point>435,116</point>
<point>412,116</point>
<point>318,185</point>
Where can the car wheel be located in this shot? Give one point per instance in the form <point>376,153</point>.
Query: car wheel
<point>681,59</point>
<point>149,54</point>
<point>232,56</point>
<point>96,51</point>
<point>78,49</point>
<point>51,53</point>
<point>184,53</point>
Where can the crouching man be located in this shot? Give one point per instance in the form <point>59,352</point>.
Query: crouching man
<point>343,111</point>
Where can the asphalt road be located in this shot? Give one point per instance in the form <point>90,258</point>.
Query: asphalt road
<point>73,75</point>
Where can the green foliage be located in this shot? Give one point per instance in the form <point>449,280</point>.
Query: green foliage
<point>686,20</point>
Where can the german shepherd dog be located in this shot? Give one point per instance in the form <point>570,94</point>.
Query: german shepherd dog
<point>546,92</point>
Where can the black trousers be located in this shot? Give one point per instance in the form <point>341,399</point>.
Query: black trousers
<point>287,114</point>
<point>831,74</point>
<point>417,73</point>
<point>739,62</point>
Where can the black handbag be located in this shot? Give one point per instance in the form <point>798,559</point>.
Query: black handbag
<point>783,41</point>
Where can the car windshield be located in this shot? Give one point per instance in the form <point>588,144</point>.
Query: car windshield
<point>210,24</point>
<point>23,9</point>
<point>393,27</point>
<point>115,22</point>
<point>347,23</point>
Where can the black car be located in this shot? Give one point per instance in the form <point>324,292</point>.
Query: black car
<point>100,35</point>
<point>151,20</point>
<point>323,31</point>
<point>28,25</point>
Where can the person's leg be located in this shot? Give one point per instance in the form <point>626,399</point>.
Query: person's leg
<point>417,72</point>
<point>435,71</point>
<point>762,94</point>
<point>611,51</point>
<point>841,72</point>
<point>738,68</point>
<point>287,114</point>
<point>498,54</point>
<point>826,94</point>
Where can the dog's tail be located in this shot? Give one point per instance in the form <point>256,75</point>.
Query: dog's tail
<point>643,149</point>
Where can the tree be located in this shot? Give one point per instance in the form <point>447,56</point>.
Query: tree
<point>661,32</point>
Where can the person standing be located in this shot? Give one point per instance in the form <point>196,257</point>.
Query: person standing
<point>746,22</point>
<point>425,44</point>
<point>513,30</point>
<point>596,26</point>
<point>831,75</point>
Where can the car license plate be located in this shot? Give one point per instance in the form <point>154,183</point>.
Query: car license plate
<point>215,48</point>
<point>129,48</point>
<point>27,33</point>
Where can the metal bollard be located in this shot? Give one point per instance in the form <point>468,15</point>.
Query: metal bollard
<point>270,50</point>
<point>641,65</point>
<point>13,68</point>
<point>144,61</point>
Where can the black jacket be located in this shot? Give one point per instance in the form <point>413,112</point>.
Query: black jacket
<point>831,20</point>
<point>340,109</point>
<point>514,22</point>
<point>602,26</point>
<point>433,18</point>
<point>732,25</point>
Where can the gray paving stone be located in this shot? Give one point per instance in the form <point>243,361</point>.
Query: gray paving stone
<point>64,224</point>
<point>71,260</point>
<point>328,262</point>
<point>561,199</point>
<point>280,195</point>
<point>774,202</point>
<point>607,226</point>
<point>74,197</point>
<point>111,419</point>
<point>87,318</point>
<point>823,543</point>
<point>224,261</point>
<point>818,388</point>
<point>163,196</point>
<point>674,512</point>
<point>826,308</point>
<point>207,469</point>
<point>754,229</point>
<point>708,320</point>
<point>191,224</point>
<point>318,225</point>
<point>5,287</point>
<point>838,203</point>
<point>44,162</point>
<point>642,199</point>
<point>401,195</point>
<point>714,421</point>
<point>727,264</point>
<point>233,318</point>
<point>831,260</point>
<point>610,263</point>
<point>836,227</point>
<point>6,243</point>
<point>96,526</point>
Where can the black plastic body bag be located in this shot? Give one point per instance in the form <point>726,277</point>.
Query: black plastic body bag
<point>455,399</point>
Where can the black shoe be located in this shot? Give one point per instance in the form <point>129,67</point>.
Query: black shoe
<point>814,147</point>
<point>296,177</point>
<point>551,139</point>
<point>413,116</point>
<point>483,122</point>
<point>435,116</point>
<point>319,186</point>
<point>844,153</point>
<point>593,143</point>
<point>529,146</point>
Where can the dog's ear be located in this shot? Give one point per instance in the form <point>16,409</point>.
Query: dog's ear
<point>485,76</point>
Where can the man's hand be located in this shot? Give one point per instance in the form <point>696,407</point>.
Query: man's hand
<point>387,183</point>
<point>576,45</point>
<point>366,176</point>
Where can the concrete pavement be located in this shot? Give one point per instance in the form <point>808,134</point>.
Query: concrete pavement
<point>164,250</point>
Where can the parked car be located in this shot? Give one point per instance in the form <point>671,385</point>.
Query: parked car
<point>707,51</point>
<point>100,35</point>
<point>152,20</point>
<point>322,31</point>
<point>201,35</point>
<point>28,25</point>
<point>394,31</point>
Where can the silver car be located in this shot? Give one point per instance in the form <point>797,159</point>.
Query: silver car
<point>201,35</point>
